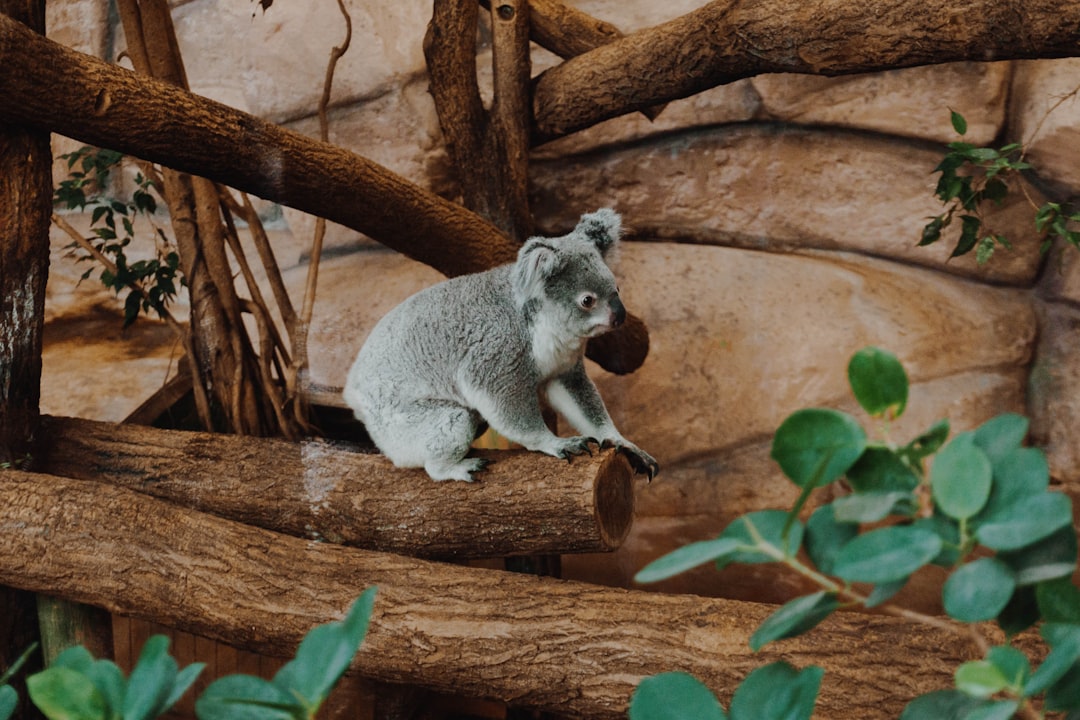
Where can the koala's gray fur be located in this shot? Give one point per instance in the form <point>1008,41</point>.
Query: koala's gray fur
<point>480,348</point>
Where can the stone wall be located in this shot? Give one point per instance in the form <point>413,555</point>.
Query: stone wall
<point>773,225</point>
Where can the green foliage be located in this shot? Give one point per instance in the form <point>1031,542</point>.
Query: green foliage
<point>973,176</point>
<point>78,687</point>
<point>9,699</point>
<point>150,284</point>
<point>984,511</point>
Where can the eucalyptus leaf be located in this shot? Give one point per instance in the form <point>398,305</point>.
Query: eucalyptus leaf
<point>151,681</point>
<point>1065,693</point>
<point>1021,613</point>
<point>686,558</point>
<point>887,554</point>
<point>794,618</point>
<point>760,536</point>
<point>884,592</point>
<point>927,443</point>
<point>993,710</point>
<point>245,697</point>
<point>1001,435</point>
<point>1064,641</point>
<point>1059,600</point>
<point>958,122</point>
<point>62,693</point>
<point>870,507</point>
<point>879,469</point>
<point>1050,558</point>
<point>674,696</point>
<point>978,590</point>
<point>825,535</point>
<point>817,445</point>
<point>1013,664</point>
<point>1018,474</point>
<point>325,653</point>
<point>941,705</point>
<point>980,678</point>
<point>961,478</point>
<point>9,700</point>
<point>110,682</point>
<point>777,691</point>
<point>878,382</point>
<point>1026,522</point>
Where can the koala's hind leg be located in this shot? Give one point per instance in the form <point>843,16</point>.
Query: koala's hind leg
<point>444,433</point>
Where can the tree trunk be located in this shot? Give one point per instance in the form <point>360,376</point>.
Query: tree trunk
<point>728,40</point>
<point>523,503</point>
<point>81,97</point>
<point>539,642</point>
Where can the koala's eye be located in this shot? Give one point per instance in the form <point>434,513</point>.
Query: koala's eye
<point>587,301</point>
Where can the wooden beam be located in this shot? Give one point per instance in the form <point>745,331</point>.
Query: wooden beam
<point>728,40</point>
<point>524,503</point>
<point>539,642</point>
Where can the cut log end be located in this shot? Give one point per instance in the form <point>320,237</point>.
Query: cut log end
<point>614,500</point>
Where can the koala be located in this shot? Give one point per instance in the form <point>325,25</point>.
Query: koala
<point>479,350</point>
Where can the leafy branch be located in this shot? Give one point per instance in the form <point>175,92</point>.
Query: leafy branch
<point>973,176</point>
<point>984,512</point>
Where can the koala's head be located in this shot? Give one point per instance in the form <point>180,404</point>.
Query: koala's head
<point>569,277</point>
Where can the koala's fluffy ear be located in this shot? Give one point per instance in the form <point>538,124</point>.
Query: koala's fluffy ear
<point>537,261</point>
<point>602,227</point>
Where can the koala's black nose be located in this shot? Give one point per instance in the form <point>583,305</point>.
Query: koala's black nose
<point>618,311</point>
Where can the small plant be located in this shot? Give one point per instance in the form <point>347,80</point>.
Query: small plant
<point>150,284</point>
<point>984,511</point>
<point>78,687</point>
<point>972,176</point>
<point>9,699</point>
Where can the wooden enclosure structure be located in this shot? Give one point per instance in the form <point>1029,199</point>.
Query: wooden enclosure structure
<point>253,542</point>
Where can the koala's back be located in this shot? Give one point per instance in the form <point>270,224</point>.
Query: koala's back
<point>424,347</point>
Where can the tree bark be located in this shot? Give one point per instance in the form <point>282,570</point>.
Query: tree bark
<point>729,40</point>
<point>524,503</point>
<point>81,97</point>
<point>539,642</point>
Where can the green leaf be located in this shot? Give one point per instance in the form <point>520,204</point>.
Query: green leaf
<point>1026,522</point>
<point>1021,613</point>
<point>825,535</point>
<point>884,592</point>
<point>949,531</point>
<point>879,469</point>
<point>777,691</point>
<point>926,444</point>
<point>994,710</point>
<point>1065,693</point>
<point>1052,557</point>
<point>761,538</point>
<point>887,554</point>
<point>794,618</point>
<point>687,557</point>
<point>245,697</point>
<point>979,590</point>
<point>931,232</point>
<point>110,682</point>
<point>325,653</point>
<point>16,666</point>
<point>76,658</point>
<point>1059,600</point>
<point>969,235</point>
<point>9,700</point>
<point>1013,664</point>
<point>958,122</point>
<point>980,678</point>
<point>674,696</point>
<point>816,446</point>
<point>961,478</point>
<point>61,693</point>
<point>878,382</point>
<point>184,680</point>
<point>151,681</point>
<point>941,705</point>
<point>870,507</point>
<point>1018,474</point>
<point>1001,435</point>
<point>1064,641</point>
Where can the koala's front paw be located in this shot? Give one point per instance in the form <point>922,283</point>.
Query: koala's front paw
<point>642,462</point>
<point>568,447</point>
<point>461,470</point>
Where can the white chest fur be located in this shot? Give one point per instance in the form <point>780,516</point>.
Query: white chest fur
<point>554,349</point>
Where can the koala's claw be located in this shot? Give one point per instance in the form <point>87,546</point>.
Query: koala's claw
<point>577,446</point>
<point>642,462</point>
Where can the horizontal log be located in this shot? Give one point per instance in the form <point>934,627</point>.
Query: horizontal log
<point>523,503</point>
<point>570,647</point>
<point>728,40</point>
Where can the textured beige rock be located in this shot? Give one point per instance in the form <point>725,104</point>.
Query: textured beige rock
<point>697,499</point>
<point>1061,274</point>
<point>781,188</point>
<point>913,102</point>
<point>1054,392</point>
<point>273,64</point>
<point>1044,113</point>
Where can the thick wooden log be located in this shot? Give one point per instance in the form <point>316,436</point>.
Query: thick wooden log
<point>523,503</point>
<point>728,40</point>
<point>570,647</point>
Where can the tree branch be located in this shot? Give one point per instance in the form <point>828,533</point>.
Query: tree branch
<point>728,40</point>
